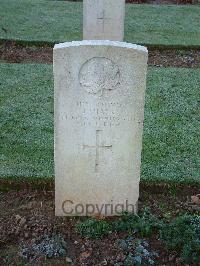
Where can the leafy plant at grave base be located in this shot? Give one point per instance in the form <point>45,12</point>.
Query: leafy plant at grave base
<point>48,246</point>
<point>127,222</point>
<point>148,222</point>
<point>143,224</point>
<point>184,234</point>
<point>136,252</point>
<point>93,228</point>
<point>173,190</point>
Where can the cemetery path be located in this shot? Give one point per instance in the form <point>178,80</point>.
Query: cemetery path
<point>12,53</point>
<point>26,215</point>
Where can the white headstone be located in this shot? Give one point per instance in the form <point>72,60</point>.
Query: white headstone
<point>103,19</point>
<point>99,108</point>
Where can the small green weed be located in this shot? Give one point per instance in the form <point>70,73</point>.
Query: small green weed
<point>173,190</point>
<point>184,234</point>
<point>93,228</point>
<point>143,224</point>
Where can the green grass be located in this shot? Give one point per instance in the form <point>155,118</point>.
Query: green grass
<point>171,128</point>
<point>27,125</point>
<point>58,21</point>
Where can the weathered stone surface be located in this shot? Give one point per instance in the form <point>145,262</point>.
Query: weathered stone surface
<point>99,106</point>
<point>103,19</point>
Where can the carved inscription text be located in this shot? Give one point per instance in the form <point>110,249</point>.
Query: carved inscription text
<point>103,114</point>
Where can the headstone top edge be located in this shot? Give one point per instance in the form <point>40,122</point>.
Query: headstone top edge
<point>102,43</point>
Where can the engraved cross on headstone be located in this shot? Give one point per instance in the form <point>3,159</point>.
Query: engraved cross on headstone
<point>102,18</point>
<point>97,147</point>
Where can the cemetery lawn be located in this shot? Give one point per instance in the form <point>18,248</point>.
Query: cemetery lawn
<point>58,21</point>
<point>171,127</point>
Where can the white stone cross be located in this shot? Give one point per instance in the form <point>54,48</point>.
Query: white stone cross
<point>103,19</point>
<point>97,147</point>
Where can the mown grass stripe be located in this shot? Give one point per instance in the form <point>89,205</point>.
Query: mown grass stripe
<point>171,126</point>
<point>51,22</point>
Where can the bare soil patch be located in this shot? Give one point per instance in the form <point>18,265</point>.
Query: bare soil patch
<point>164,2</point>
<point>175,58</point>
<point>157,2</point>
<point>13,53</point>
<point>27,214</point>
